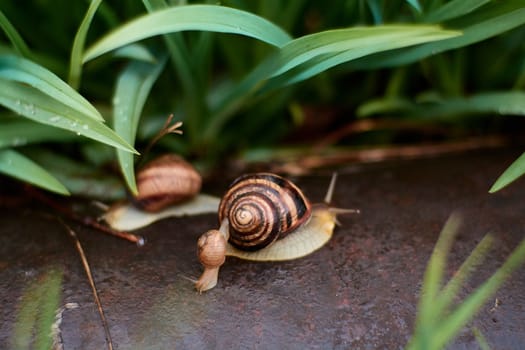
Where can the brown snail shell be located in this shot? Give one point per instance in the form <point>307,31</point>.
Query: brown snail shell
<point>262,208</point>
<point>164,181</point>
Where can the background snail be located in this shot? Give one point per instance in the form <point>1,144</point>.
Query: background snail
<point>166,180</point>
<point>264,217</point>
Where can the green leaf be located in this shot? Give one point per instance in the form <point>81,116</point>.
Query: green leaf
<point>497,102</point>
<point>488,21</point>
<point>37,312</point>
<point>18,69</point>
<point>75,64</point>
<point>428,314</point>
<point>15,38</point>
<point>192,17</point>
<point>453,9</point>
<point>325,50</point>
<point>23,132</point>
<point>36,106</point>
<point>307,56</point>
<point>513,172</point>
<point>467,309</point>
<point>133,87</point>
<point>18,166</point>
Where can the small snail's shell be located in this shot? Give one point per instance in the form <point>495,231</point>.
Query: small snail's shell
<point>166,180</point>
<point>262,208</point>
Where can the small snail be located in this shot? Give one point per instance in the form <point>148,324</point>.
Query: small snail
<point>166,180</point>
<point>264,217</point>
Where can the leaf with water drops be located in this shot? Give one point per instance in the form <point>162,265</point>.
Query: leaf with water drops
<point>18,166</point>
<point>37,106</point>
<point>18,69</point>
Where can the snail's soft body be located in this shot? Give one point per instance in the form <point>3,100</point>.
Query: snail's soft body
<point>307,234</point>
<point>302,241</point>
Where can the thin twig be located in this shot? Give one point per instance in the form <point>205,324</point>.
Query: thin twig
<point>92,284</point>
<point>165,130</point>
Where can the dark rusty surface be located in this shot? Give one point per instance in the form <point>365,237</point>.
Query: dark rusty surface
<point>359,291</point>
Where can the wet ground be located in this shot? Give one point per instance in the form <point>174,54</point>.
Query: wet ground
<point>360,291</point>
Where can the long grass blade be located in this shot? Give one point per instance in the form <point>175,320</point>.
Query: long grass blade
<point>361,42</point>
<point>16,39</point>
<point>488,21</point>
<point>464,312</point>
<point>133,87</point>
<point>192,17</point>
<point>307,56</point>
<point>38,305</point>
<point>512,173</point>
<point>428,314</point>
<point>20,167</point>
<point>36,106</point>
<point>494,102</point>
<point>18,69</point>
<point>450,291</point>
<point>75,64</point>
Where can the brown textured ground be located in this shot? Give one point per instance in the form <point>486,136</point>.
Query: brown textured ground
<point>360,291</point>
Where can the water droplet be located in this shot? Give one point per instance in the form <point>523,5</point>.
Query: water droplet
<point>55,119</point>
<point>18,103</point>
<point>116,100</point>
<point>78,133</point>
<point>85,127</point>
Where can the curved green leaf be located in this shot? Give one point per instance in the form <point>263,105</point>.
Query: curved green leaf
<point>133,87</point>
<point>316,53</point>
<point>193,17</point>
<point>18,69</point>
<point>488,21</point>
<point>496,102</point>
<point>36,106</point>
<point>307,56</point>
<point>18,166</point>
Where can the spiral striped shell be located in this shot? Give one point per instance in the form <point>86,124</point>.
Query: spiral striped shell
<point>262,208</point>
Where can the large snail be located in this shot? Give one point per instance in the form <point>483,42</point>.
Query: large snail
<point>264,217</point>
